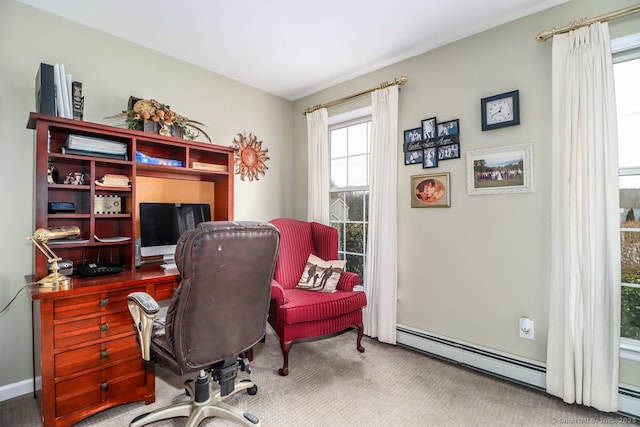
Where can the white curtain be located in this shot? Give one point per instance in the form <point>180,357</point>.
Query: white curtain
<point>381,270</point>
<point>584,313</point>
<point>318,180</point>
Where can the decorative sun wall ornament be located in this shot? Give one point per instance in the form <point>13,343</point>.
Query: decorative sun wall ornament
<point>249,157</point>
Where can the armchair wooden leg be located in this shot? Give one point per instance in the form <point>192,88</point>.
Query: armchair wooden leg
<point>285,346</point>
<point>359,346</point>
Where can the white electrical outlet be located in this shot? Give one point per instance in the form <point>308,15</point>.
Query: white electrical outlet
<point>526,328</point>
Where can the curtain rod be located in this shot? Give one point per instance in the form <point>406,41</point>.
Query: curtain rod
<point>398,81</point>
<point>546,35</point>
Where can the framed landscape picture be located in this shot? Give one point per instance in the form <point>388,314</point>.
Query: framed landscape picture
<point>498,170</point>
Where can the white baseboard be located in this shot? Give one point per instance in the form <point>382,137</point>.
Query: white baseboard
<point>514,368</point>
<point>10,391</point>
<point>629,400</point>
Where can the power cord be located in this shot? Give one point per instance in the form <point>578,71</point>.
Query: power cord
<point>12,300</point>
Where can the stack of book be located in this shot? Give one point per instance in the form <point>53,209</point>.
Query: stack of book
<point>96,147</point>
<point>57,94</point>
<point>114,180</point>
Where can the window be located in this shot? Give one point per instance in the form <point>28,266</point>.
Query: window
<point>349,143</point>
<point>626,71</point>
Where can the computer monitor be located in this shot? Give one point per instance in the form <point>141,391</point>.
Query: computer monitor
<point>162,224</point>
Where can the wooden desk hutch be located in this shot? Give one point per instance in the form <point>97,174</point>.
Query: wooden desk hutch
<point>89,357</point>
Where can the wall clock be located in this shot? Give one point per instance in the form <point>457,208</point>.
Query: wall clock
<point>500,111</point>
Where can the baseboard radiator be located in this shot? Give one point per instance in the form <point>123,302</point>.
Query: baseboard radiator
<point>522,371</point>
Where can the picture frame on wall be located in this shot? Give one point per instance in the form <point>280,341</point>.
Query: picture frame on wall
<point>412,135</point>
<point>430,191</point>
<point>429,130</point>
<point>449,151</point>
<point>413,157</point>
<point>451,127</point>
<point>430,158</point>
<point>499,170</point>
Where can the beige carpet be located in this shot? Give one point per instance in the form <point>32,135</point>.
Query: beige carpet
<point>331,384</point>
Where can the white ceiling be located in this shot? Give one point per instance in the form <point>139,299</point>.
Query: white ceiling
<point>292,48</point>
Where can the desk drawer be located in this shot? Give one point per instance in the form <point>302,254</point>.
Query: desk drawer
<point>65,308</point>
<point>91,389</point>
<point>165,291</point>
<point>93,356</point>
<point>92,328</point>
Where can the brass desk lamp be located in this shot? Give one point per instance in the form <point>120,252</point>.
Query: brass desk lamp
<point>40,238</point>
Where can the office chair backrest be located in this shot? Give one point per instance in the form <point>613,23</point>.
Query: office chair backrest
<point>220,308</point>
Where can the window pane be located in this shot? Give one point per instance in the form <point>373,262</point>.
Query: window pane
<point>628,108</point>
<point>355,205</point>
<point>358,139</point>
<point>339,173</point>
<point>338,210</point>
<point>340,227</point>
<point>630,312</point>
<point>354,237</point>
<point>355,263</point>
<point>358,173</point>
<point>338,143</point>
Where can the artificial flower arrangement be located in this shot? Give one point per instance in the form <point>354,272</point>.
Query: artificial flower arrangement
<point>150,109</point>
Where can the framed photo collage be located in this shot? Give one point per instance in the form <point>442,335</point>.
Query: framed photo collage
<point>432,143</point>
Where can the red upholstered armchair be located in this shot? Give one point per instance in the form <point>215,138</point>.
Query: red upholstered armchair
<point>299,313</point>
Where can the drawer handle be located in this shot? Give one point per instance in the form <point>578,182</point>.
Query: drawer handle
<point>104,327</point>
<point>104,354</point>
<point>104,386</point>
<point>104,302</point>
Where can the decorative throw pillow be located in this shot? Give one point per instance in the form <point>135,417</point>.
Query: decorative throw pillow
<point>320,275</point>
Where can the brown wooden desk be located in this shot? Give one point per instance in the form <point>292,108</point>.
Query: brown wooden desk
<point>89,356</point>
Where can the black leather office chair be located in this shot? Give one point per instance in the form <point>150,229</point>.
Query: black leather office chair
<point>218,312</point>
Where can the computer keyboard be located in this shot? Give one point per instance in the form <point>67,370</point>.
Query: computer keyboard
<point>169,266</point>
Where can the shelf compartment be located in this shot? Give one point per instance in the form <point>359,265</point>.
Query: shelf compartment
<point>167,151</point>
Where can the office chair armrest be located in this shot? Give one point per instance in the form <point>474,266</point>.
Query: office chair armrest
<point>277,293</point>
<point>143,309</point>
<point>348,280</point>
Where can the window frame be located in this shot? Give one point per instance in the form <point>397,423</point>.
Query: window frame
<point>625,49</point>
<point>351,118</point>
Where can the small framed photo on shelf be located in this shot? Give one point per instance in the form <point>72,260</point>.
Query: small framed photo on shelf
<point>430,158</point>
<point>412,135</point>
<point>500,111</point>
<point>430,191</point>
<point>499,170</point>
<point>429,128</point>
<point>449,151</point>
<point>413,157</point>
<point>448,128</point>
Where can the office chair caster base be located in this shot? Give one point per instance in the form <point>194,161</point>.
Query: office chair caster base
<point>196,413</point>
